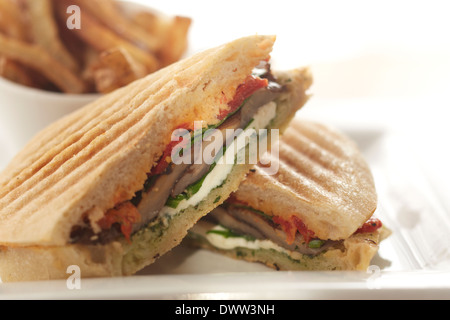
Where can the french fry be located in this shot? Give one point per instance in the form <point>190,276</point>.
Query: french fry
<point>45,33</point>
<point>148,21</point>
<point>173,34</point>
<point>11,20</point>
<point>116,68</point>
<point>90,58</point>
<point>176,41</point>
<point>15,72</point>
<point>102,39</point>
<point>109,14</point>
<point>38,59</point>
<point>153,24</point>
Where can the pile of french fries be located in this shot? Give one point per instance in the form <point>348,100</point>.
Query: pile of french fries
<point>111,47</point>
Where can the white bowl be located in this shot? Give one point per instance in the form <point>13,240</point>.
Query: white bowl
<point>26,111</point>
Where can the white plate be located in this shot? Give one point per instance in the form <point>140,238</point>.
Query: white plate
<point>413,263</point>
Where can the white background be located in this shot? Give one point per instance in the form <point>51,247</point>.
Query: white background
<point>381,68</point>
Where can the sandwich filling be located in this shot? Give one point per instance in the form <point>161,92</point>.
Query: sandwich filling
<point>234,225</point>
<point>172,188</point>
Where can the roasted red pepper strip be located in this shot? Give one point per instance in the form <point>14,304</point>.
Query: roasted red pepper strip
<point>164,161</point>
<point>291,226</point>
<point>302,229</point>
<point>243,91</point>
<point>371,225</point>
<point>125,214</point>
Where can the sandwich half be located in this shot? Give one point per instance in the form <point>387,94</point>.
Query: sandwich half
<point>314,213</point>
<point>99,189</point>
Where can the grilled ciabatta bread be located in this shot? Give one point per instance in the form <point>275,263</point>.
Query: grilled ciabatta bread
<point>96,188</point>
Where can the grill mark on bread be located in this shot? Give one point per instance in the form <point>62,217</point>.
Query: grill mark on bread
<point>79,135</point>
<point>321,155</point>
<point>310,162</point>
<point>67,128</point>
<point>77,155</point>
<point>307,182</point>
<point>310,167</point>
<point>76,143</point>
<point>71,131</point>
<point>326,140</point>
<point>82,150</point>
<point>273,179</point>
<point>297,165</point>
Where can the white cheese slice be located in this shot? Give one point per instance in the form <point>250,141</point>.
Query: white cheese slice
<point>230,243</point>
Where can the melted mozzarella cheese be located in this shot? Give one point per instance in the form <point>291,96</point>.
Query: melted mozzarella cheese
<point>230,243</point>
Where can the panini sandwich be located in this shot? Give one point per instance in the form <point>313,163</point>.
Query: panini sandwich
<point>98,189</point>
<point>315,213</point>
